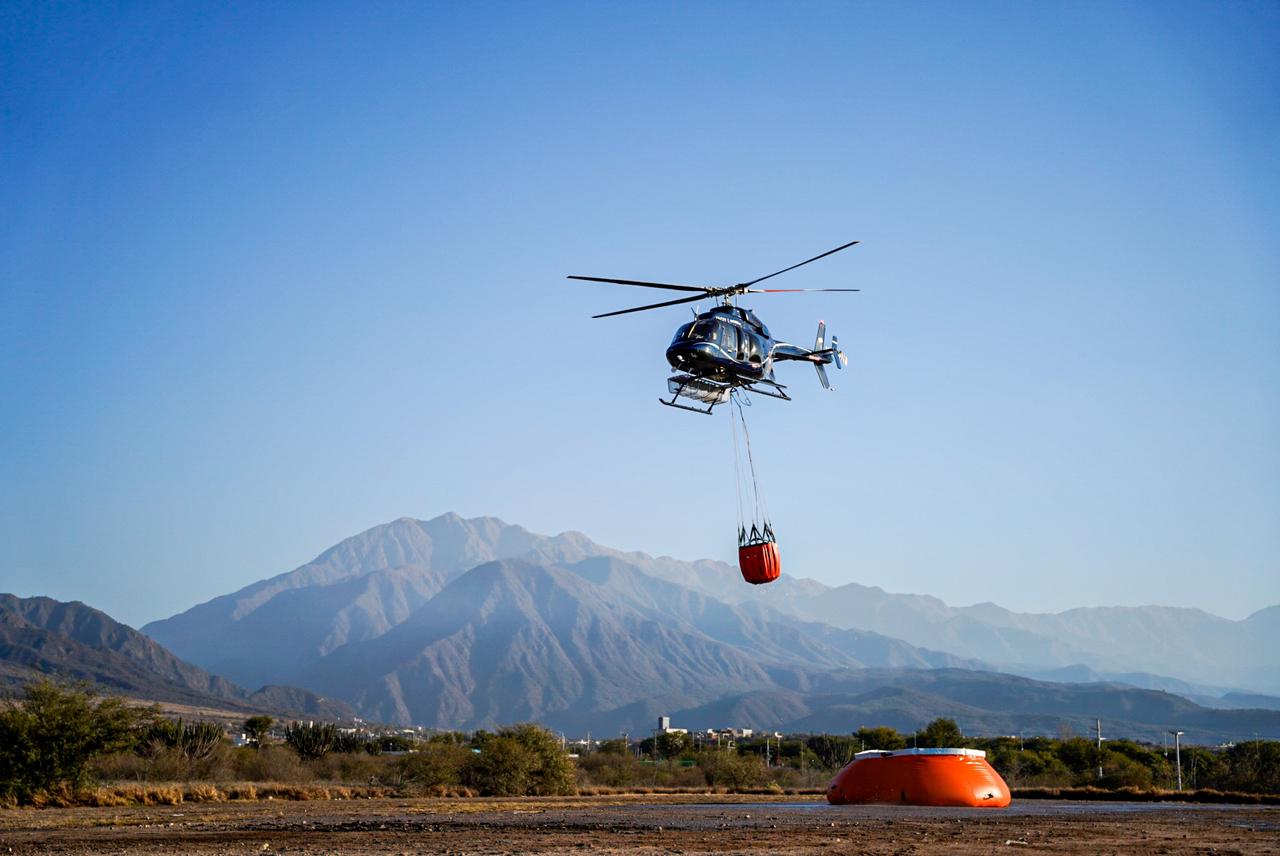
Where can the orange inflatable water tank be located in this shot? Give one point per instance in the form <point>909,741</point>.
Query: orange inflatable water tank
<point>951,777</point>
<point>760,563</point>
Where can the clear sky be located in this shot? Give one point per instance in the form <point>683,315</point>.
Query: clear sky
<point>271,274</point>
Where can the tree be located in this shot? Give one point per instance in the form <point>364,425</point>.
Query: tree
<point>673,744</point>
<point>616,746</point>
<point>833,751</point>
<point>256,729</point>
<point>880,737</point>
<point>942,733</point>
<point>49,736</point>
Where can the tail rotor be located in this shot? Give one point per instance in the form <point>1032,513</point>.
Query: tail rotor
<point>823,356</point>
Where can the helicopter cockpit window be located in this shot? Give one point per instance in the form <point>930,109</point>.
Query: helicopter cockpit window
<point>682,332</point>
<point>705,331</point>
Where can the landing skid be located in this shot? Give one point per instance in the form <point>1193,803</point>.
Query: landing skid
<point>712,392</point>
<point>775,389</point>
<point>709,392</point>
<point>672,403</point>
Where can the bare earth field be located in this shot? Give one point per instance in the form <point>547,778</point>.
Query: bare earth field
<point>639,824</point>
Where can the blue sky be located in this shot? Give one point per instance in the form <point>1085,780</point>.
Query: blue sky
<point>274,273</point>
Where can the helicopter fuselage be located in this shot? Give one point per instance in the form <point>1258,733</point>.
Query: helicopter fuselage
<point>728,344</point>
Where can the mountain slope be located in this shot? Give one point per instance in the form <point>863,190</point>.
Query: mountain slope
<point>511,640</point>
<point>407,561</point>
<point>44,637</point>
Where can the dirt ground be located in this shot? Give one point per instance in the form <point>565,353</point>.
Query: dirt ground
<point>641,825</point>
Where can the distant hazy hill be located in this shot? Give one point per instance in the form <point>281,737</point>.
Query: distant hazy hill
<point>1188,644</point>
<point>41,636</point>
<point>284,624</point>
<point>471,623</point>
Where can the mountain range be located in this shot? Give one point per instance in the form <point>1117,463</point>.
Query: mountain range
<point>44,637</point>
<point>461,623</point>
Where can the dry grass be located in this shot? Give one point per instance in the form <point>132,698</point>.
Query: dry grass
<point>156,794</point>
<point>1202,795</point>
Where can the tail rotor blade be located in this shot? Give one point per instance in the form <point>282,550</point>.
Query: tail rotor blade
<point>822,375</point>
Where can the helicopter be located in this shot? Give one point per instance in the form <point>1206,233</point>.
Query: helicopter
<point>728,347</point>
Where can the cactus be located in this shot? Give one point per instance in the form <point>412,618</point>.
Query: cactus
<point>196,741</point>
<point>311,741</point>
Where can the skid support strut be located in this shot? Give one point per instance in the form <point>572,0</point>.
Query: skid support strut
<point>702,389</point>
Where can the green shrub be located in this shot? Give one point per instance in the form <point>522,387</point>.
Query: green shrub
<point>434,765</point>
<point>269,764</point>
<point>729,770</point>
<point>519,761</point>
<point>50,736</point>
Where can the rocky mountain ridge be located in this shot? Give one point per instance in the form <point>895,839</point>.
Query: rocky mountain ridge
<point>40,636</point>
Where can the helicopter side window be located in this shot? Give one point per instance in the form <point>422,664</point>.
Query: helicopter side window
<point>751,347</point>
<point>730,341</point>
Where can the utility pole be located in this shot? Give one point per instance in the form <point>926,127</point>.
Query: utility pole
<point>1100,750</point>
<point>1177,754</point>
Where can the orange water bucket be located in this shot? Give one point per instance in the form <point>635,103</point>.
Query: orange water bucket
<point>760,563</point>
<point>939,777</point>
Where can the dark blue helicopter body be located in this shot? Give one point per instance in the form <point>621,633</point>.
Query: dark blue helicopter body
<point>724,343</point>
<point>728,347</point>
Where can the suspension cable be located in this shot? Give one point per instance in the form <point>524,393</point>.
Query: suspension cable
<point>755,485</point>
<point>737,468</point>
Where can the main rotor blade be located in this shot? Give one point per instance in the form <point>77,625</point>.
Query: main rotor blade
<point>665,285</point>
<point>781,290</point>
<point>805,262</point>
<point>651,306</point>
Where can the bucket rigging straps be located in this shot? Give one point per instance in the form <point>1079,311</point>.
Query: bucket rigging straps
<point>761,531</point>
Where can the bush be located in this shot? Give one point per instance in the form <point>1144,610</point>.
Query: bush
<point>435,765</point>
<point>519,761</point>
<point>269,764</point>
<point>732,771</point>
<point>49,738</point>
<point>610,769</point>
